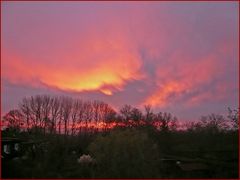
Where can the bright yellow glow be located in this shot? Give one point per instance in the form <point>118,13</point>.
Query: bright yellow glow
<point>106,91</point>
<point>112,73</point>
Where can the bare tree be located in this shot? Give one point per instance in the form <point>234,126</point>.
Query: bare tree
<point>87,114</point>
<point>66,104</point>
<point>96,106</point>
<point>45,111</point>
<point>167,121</point>
<point>80,115</point>
<point>149,115</point>
<point>55,112</point>
<point>36,111</point>
<point>213,123</point>
<point>125,112</point>
<point>14,120</point>
<point>24,106</point>
<point>74,115</point>
<point>136,116</point>
<point>109,115</point>
<point>233,116</point>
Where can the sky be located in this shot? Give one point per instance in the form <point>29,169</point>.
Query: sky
<point>179,57</point>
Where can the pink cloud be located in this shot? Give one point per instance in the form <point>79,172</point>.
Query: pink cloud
<point>178,53</point>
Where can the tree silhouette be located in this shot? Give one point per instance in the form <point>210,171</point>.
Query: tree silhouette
<point>14,120</point>
<point>233,116</point>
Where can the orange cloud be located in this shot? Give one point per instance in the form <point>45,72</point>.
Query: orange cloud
<point>174,81</point>
<point>101,63</point>
<point>161,96</point>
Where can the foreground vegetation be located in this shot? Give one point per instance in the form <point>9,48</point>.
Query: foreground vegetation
<point>140,145</point>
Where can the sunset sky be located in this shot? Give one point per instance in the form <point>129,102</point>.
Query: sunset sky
<point>179,57</point>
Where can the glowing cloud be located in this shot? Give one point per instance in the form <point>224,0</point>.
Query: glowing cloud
<point>186,77</point>
<point>165,54</point>
<point>97,69</point>
<point>160,97</point>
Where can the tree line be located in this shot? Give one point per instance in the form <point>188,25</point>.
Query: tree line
<point>68,116</point>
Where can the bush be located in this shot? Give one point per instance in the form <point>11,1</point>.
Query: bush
<point>125,154</point>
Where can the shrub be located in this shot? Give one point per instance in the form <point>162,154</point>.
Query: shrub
<point>125,154</point>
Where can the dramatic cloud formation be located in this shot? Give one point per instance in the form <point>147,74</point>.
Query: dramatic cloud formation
<point>88,71</point>
<point>179,57</point>
<point>187,76</point>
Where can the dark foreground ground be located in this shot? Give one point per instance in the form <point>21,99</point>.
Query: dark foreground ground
<point>140,152</point>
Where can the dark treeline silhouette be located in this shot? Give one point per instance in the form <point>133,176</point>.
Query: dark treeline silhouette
<point>65,115</point>
<point>62,115</point>
<point>62,137</point>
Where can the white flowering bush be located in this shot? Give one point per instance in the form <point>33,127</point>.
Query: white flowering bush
<point>85,159</point>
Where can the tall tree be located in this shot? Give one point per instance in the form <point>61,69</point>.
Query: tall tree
<point>46,104</point>
<point>149,115</point>
<point>55,112</point>
<point>125,113</point>
<point>74,116</point>
<point>24,107</point>
<point>66,111</point>
<point>136,116</point>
